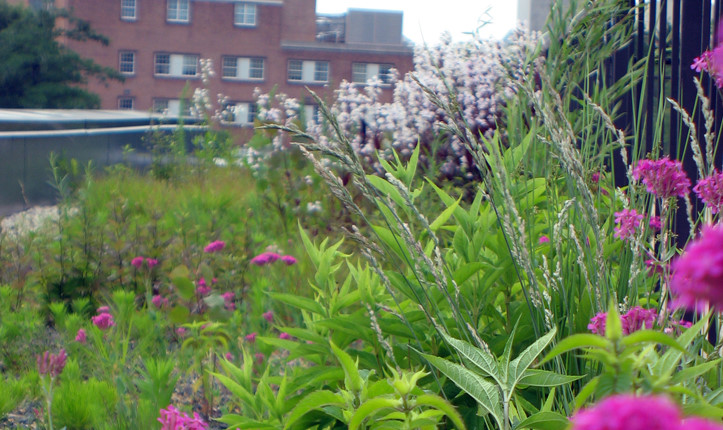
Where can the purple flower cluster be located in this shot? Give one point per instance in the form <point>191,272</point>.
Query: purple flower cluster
<point>629,412</point>
<point>698,273</point>
<point>633,320</point>
<point>269,257</point>
<point>173,419</point>
<point>51,364</point>
<point>104,320</point>
<point>712,62</point>
<point>202,288</point>
<point>710,190</point>
<point>81,336</point>
<point>159,301</point>
<point>138,262</point>
<point>228,302</point>
<point>628,223</point>
<point>214,246</point>
<point>664,178</point>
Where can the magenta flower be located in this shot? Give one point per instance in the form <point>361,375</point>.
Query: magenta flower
<point>228,301</point>
<point>711,62</point>
<point>259,357</point>
<point>103,310</point>
<point>51,364</point>
<point>173,419</point>
<point>202,288</point>
<point>137,262</point>
<point>288,260</point>
<point>152,262</point>
<point>228,356</point>
<point>628,222</point>
<point>664,178</point>
<point>695,423</point>
<point>159,301</point>
<point>698,273</point>
<point>285,336</point>
<point>655,223</point>
<point>268,316</point>
<point>265,258</point>
<point>595,177</point>
<point>628,412</point>
<point>251,337</point>
<point>544,239</point>
<point>710,190</point>
<point>103,321</point>
<point>214,246</point>
<point>181,331</point>
<point>597,324</point>
<point>81,336</point>
<point>638,318</point>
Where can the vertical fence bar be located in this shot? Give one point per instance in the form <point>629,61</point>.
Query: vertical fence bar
<point>650,84</point>
<point>662,65</point>
<point>674,77</point>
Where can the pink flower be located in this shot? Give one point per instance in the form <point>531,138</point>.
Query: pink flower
<point>214,246</point>
<point>638,318</point>
<point>202,289</point>
<point>159,301</point>
<point>698,273</point>
<point>181,331</point>
<point>265,258</point>
<point>710,190</point>
<point>251,337</point>
<point>544,239</point>
<point>51,364</point>
<point>103,310</point>
<point>172,419</point>
<point>628,222</point>
<point>597,324</point>
<point>268,316</point>
<point>655,223</point>
<point>81,336</point>
<point>595,177</point>
<point>259,357</point>
<point>288,260</point>
<point>695,423</point>
<point>228,356</point>
<point>103,321</point>
<point>137,262</point>
<point>152,262</point>
<point>285,336</point>
<point>711,62</point>
<point>664,178</point>
<point>628,412</point>
<point>228,301</point>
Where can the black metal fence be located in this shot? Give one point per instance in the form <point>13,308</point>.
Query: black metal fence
<point>671,34</point>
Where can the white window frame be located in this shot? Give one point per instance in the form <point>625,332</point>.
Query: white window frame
<point>175,11</point>
<point>171,107</point>
<point>370,70</point>
<point>244,113</point>
<point>245,14</point>
<point>176,65</point>
<point>129,11</point>
<point>129,65</point>
<point>308,71</point>
<point>132,101</point>
<point>243,68</point>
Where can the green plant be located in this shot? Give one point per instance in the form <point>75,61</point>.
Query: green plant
<point>157,382</point>
<point>13,392</point>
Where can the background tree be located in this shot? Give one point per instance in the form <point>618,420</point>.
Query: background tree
<point>36,70</point>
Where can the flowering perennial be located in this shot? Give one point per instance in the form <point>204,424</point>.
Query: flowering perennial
<point>103,320</point>
<point>265,258</point>
<point>698,273</point>
<point>629,412</point>
<point>628,223</point>
<point>633,320</point>
<point>664,178</point>
<point>173,419</point>
<point>51,364</point>
<point>710,190</point>
<point>81,336</point>
<point>214,246</point>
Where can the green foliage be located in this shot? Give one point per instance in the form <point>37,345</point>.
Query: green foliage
<point>157,382</point>
<point>82,405</point>
<point>13,392</point>
<point>37,70</point>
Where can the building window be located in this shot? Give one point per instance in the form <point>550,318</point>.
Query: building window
<point>125,103</point>
<point>315,72</point>
<point>177,10</point>
<point>243,68</point>
<point>244,15</point>
<point>128,10</point>
<point>127,62</point>
<point>362,72</point>
<point>171,107</point>
<point>311,114</point>
<point>176,65</point>
<point>242,113</point>
<point>160,106</point>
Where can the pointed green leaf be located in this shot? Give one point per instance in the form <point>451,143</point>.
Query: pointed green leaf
<point>583,340</point>
<point>466,271</point>
<point>544,421</point>
<point>442,405</point>
<point>689,374</point>
<point>300,302</point>
<point>486,393</point>
<point>526,357</point>
<point>486,362</point>
<point>316,400</point>
<point>371,407</point>
<point>545,378</point>
<point>650,336</point>
<point>444,216</point>
<point>613,323</point>
<point>353,380</point>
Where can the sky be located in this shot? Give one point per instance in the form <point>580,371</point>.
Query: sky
<point>425,20</point>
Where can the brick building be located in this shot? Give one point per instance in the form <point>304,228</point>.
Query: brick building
<point>158,45</point>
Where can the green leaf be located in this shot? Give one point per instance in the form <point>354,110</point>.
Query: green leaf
<point>582,340</point>
<point>526,357</point>
<point>178,314</point>
<point>689,374</point>
<point>444,216</point>
<point>485,392</point>
<point>300,302</point>
<point>586,392</point>
<point>613,323</point>
<point>442,405</point>
<point>235,421</point>
<point>485,361</point>
<point>466,271</point>
<point>313,401</point>
<point>650,336</point>
<point>371,407</point>
<point>544,421</point>
<point>236,389</point>
<point>353,380</point>
<point>184,286</point>
<point>545,378</point>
